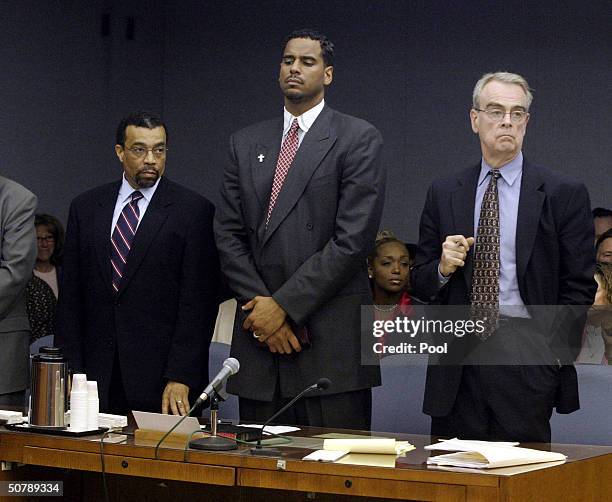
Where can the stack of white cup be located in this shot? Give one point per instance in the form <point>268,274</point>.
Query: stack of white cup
<point>78,403</point>
<point>93,406</point>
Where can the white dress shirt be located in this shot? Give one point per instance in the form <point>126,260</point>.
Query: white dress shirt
<point>305,121</point>
<point>125,195</point>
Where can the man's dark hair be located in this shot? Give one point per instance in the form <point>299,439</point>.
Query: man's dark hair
<point>327,48</point>
<point>139,119</point>
<point>57,231</point>
<point>601,212</point>
<point>606,235</point>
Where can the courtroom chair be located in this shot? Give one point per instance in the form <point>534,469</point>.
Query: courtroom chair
<point>396,405</point>
<point>592,423</point>
<point>219,352</point>
<point>45,341</point>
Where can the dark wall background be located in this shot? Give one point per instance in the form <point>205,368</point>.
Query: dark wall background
<point>210,67</point>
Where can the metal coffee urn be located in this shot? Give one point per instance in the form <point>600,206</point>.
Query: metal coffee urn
<point>48,388</point>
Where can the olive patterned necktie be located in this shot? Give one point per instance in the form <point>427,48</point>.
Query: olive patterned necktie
<point>485,277</point>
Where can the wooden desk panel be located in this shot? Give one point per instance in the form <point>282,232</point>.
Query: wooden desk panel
<point>350,485</point>
<point>130,466</point>
<point>237,475</point>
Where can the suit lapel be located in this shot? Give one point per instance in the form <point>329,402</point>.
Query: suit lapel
<point>528,220</point>
<point>151,222</point>
<point>462,204</point>
<point>311,152</point>
<point>262,168</point>
<point>103,219</point>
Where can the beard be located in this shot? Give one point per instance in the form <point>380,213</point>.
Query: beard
<point>146,182</point>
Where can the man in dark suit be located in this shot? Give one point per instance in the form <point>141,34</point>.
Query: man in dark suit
<point>301,203</point>
<point>532,247</point>
<point>138,296</point>
<point>17,257</point>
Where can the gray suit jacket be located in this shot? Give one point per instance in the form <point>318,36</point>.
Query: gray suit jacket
<point>18,254</point>
<point>311,258</point>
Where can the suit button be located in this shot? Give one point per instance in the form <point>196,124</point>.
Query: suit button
<point>252,230</point>
<point>309,226</point>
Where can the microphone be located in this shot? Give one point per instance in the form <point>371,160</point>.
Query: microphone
<point>230,367</point>
<point>322,384</point>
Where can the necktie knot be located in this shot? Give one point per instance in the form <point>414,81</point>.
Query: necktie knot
<point>495,174</point>
<point>136,196</point>
<point>294,127</point>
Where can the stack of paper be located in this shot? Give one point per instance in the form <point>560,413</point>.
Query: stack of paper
<point>487,455</point>
<point>11,417</point>
<point>387,446</point>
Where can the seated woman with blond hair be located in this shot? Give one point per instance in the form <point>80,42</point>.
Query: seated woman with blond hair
<point>597,337</point>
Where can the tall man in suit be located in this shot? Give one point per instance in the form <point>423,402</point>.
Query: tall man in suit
<point>301,203</point>
<point>138,297</point>
<point>17,257</point>
<point>504,236</point>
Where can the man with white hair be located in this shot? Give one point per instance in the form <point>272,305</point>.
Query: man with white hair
<point>503,237</point>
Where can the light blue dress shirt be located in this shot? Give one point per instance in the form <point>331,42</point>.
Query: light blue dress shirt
<point>509,193</point>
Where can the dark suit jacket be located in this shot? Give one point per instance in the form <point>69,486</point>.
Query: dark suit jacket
<point>554,261</point>
<point>311,258</point>
<point>162,319</point>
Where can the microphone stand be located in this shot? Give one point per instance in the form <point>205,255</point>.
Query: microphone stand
<point>275,452</point>
<point>214,442</point>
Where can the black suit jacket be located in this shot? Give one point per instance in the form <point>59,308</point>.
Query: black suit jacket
<point>311,258</point>
<point>162,319</point>
<point>554,260</point>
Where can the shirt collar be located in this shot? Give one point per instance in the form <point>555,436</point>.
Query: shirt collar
<point>126,190</point>
<point>509,172</point>
<point>305,120</point>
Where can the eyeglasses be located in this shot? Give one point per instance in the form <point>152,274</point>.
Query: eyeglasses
<point>140,151</point>
<point>45,238</point>
<point>498,114</point>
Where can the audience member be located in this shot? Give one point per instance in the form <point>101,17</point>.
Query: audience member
<point>603,247</point>
<point>597,337</point>
<point>389,273</point>
<point>50,237</point>
<point>602,219</point>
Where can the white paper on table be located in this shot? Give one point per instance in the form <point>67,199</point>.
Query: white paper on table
<point>487,455</point>
<point>388,446</point>
<point>456,444</point>
<point>325,455</point>
<point>272,429</point>
<point>163,423</point>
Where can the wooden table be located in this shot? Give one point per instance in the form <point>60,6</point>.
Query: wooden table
<point>133,473</point>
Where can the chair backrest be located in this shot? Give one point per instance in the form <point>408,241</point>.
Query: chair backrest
<point>396,405</point>
<point>219,352</point>
<point>45,341</point>
<point>592,423</point>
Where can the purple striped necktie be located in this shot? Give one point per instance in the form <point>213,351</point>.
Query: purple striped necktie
<point>123,235</point>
